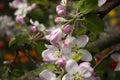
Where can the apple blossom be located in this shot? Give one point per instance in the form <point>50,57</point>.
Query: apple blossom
<point>61,62</point>
<point>30,8</point>
<point>59,19</point>
<point>47,75</point>
<point>36,26</point>
<point>67,29</point>
<point>22,10</point>
<point>55,36</point>
<point>19,19</point>
<point>72,46</point>
<point>61,10</point>
<point>15,3</point>
<point>77,72</point>
<point>33,28</point>
<point>51,54</point>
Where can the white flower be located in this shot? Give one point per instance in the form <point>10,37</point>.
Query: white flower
<point>77,72</point>
<point>116,57</point>
<point>73,45</point>
<point>36,23</point>
<point>47,75</point>
<point>51,54</point>
<point>39,26</point>
<point>22,10</point>
<point>101,2</point>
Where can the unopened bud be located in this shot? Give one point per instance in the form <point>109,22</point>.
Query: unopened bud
<point>19,19</point>
<point>67,29</point>
<point>61,10</point>
<point>59,19</point>
<point>61,62</point>
<point>30,8</point>
<point>33,29</point>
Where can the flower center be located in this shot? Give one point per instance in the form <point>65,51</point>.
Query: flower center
<point>77,76</point>
<point>75,48</point>
<point>56,54</point>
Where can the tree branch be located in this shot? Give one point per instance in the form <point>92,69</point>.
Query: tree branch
<point>102,14</point>
<point>105,57</point>
<point>106,40</point>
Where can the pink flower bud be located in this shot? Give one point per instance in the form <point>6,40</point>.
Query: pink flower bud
<point>59,19</point>
<point>30,8</point>
<point>61,10</point>
<point>66,29</point>
<point>55,36</point>
<point>61,62</point>
<point>19,19</point>
<point>33,28</point>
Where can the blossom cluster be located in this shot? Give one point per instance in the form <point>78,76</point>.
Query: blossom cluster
<point>64,50</point>
<point>7,27</point>
<point>22,9</point>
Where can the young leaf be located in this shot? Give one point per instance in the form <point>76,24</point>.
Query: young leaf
<point>93,23</point>
<point>12,42</point>
<point>77,56</point>
<point>86,6</point>
<point>17,73</point>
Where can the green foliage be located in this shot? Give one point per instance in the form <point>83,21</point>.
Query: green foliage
<point>51,67</point>
<point>39,47</point>
<point>17,72</point>
<point>93,49</point>
<point>86,6</point>
<point>43,10</point>
<point>19,40</point>
<point>93,23</point>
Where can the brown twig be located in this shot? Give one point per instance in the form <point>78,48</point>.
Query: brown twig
<point>102,14</point>
<point>105,57</point>
<point>106,40</point>
<point>30,57</point>
<point>11,64</point>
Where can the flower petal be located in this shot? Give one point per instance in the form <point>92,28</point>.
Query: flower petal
<point>85,69</point>
<point>117,67</point>
<point>116,57</point>
<point>48,55</point>
<point>82,41</point>
<point>69,41</point>
<point>86,55</point>
<point>47,75</point>
<point>101,2</point>
<point>71,67</point>
<point>68,77</point>
<point>66,53</point>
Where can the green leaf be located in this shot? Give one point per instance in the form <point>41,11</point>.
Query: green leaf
<point>93,50</point>
<point>12,42</point>
<point>86,6</point>
<point>93,23</point>
<point>39,47</point>
<point>77,56</point>
<point>17,73</point>
<point>19,40</point>
<point>51,67</point>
